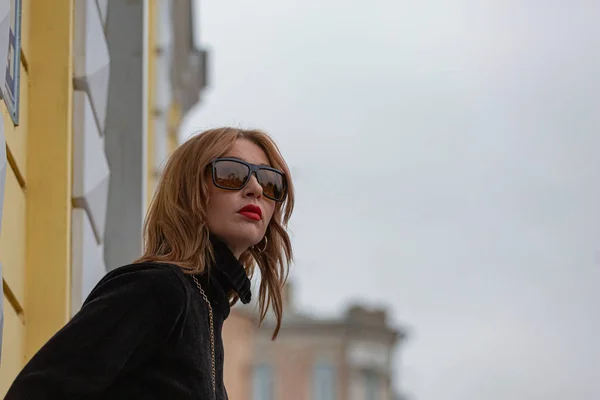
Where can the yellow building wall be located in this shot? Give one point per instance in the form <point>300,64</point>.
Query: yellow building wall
<point>14,222</point>
<point>49,168</point>
<point>35,239</point>
<point>36,255</point>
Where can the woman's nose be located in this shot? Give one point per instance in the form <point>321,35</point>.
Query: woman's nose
<point>253,188</point>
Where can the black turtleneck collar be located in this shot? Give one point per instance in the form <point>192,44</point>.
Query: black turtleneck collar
<point>226,275</point>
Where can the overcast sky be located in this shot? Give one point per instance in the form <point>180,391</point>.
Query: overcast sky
<point>446,156</point>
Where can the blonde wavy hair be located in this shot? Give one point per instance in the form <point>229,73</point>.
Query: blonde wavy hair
<point>176,231</point>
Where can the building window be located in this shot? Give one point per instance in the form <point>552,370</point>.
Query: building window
<point>371,386</point>
<point>262,385</point>
<point>324,381</point>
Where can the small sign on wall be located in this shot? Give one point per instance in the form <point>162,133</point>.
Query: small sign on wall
<point>11,88</point>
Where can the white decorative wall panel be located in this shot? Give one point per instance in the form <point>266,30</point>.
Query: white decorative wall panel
<point>162,83</point>
<point>161,146</point>
<point>163,80</point>
<point>164,23</point>
<point>162,104</point>
<point>103,7</point>
<point>91,172</point>
<point>92,61</point>
<point>164,40</point>
<point>90,167</point>
<point>87,259</point>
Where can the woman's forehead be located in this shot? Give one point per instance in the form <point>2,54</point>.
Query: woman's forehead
<point>248,151</point>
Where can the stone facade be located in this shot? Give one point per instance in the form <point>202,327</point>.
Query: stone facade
<point>350,358</point>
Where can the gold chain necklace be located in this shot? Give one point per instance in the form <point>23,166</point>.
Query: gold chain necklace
<point>212,333</point>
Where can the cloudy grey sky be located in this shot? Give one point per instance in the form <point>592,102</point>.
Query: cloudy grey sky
<point>446,156</point>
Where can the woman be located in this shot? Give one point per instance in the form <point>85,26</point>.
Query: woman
<point>152,329</point>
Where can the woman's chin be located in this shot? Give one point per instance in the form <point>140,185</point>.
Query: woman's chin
<point>240,242</point>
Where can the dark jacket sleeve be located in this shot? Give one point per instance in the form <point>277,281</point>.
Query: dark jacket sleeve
<point>131,312</point>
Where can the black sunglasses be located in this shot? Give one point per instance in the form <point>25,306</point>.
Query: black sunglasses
<point>234,174</point>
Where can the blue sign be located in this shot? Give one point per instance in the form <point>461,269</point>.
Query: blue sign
<point>11,88</point>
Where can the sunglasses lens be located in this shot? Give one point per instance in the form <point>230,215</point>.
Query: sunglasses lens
<point>273,184</point>
<point>230,174</point>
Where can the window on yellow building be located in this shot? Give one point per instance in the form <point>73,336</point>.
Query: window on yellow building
<point>372,386</point>
<point>324,381</point>
<point>262,385</point>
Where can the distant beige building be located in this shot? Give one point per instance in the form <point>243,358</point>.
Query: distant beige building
<point>238,339</point>
<point>312,359</point>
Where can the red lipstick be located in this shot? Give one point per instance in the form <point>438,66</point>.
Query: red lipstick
<point>252,212</point>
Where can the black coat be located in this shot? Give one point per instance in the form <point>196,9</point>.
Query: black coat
<point>143,333</point>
